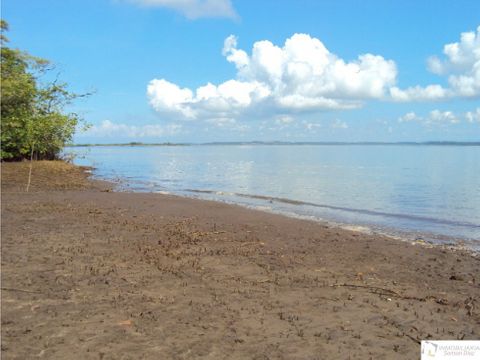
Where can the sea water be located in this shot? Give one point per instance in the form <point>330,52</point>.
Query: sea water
<point>424,192</point>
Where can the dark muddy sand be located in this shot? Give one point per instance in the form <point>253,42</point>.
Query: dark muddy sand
<point>88,273</point>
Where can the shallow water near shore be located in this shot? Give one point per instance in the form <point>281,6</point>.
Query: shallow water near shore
<point>427,192</point>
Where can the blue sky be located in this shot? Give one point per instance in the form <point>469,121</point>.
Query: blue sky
<point>220,70</point>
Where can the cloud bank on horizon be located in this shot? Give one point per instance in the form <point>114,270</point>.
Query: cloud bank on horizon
<point>304,76</point>
<point>437,117</point>
<point>194,9</point>
<point>108,128</point>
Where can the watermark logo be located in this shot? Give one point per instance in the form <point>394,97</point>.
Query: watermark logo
<point>450,350</point>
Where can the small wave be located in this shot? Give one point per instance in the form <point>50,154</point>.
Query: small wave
<point>222,193</point>
<point>262,208</point>
<point>272,199</point>
<point>363,211</point>
<point>358,228</point>
<point>201,191</point>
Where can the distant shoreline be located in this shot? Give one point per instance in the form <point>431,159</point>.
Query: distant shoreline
<point>286,143</point>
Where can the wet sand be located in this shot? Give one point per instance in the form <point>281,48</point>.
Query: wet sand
<point>88,273</point>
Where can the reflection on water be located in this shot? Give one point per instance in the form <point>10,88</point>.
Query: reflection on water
<point>426,189</point>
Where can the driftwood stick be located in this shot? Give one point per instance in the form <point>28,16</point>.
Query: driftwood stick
<point>21,290</point>
<point>385,292</point>
<point>373,288</point>
<point>412,338</point>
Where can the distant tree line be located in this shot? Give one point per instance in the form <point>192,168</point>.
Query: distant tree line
<point>34,123</point>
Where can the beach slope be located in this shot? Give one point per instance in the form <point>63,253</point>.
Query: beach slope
<point>88,273</point>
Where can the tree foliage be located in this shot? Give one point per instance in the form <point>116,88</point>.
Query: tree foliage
<point>34,121</point>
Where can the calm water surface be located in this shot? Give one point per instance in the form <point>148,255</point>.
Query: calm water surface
<point>432,192</point>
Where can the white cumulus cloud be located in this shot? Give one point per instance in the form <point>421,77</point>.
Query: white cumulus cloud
<point>302,75</point>
<point>473,116</point>
<point>410,116</point>
<point>311,127</point>
<point>194,9</point>
<point>338,124</point>
<point>284,120</point>
<point>459,56</point>
<point>419,93</point>
<point>165,95</point>
<point>461,66</point>
<point>438,117</point>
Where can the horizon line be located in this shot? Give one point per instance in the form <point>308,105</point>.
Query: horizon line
<point>276,142</point>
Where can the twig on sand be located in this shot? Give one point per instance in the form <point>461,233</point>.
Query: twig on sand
<point>392,293</point>
<point>251,243</point>
<point>21,290</point>
<point>374,289</point>
<point>412,338</point>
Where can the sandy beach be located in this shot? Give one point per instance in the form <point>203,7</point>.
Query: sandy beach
<point>89,273</point>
